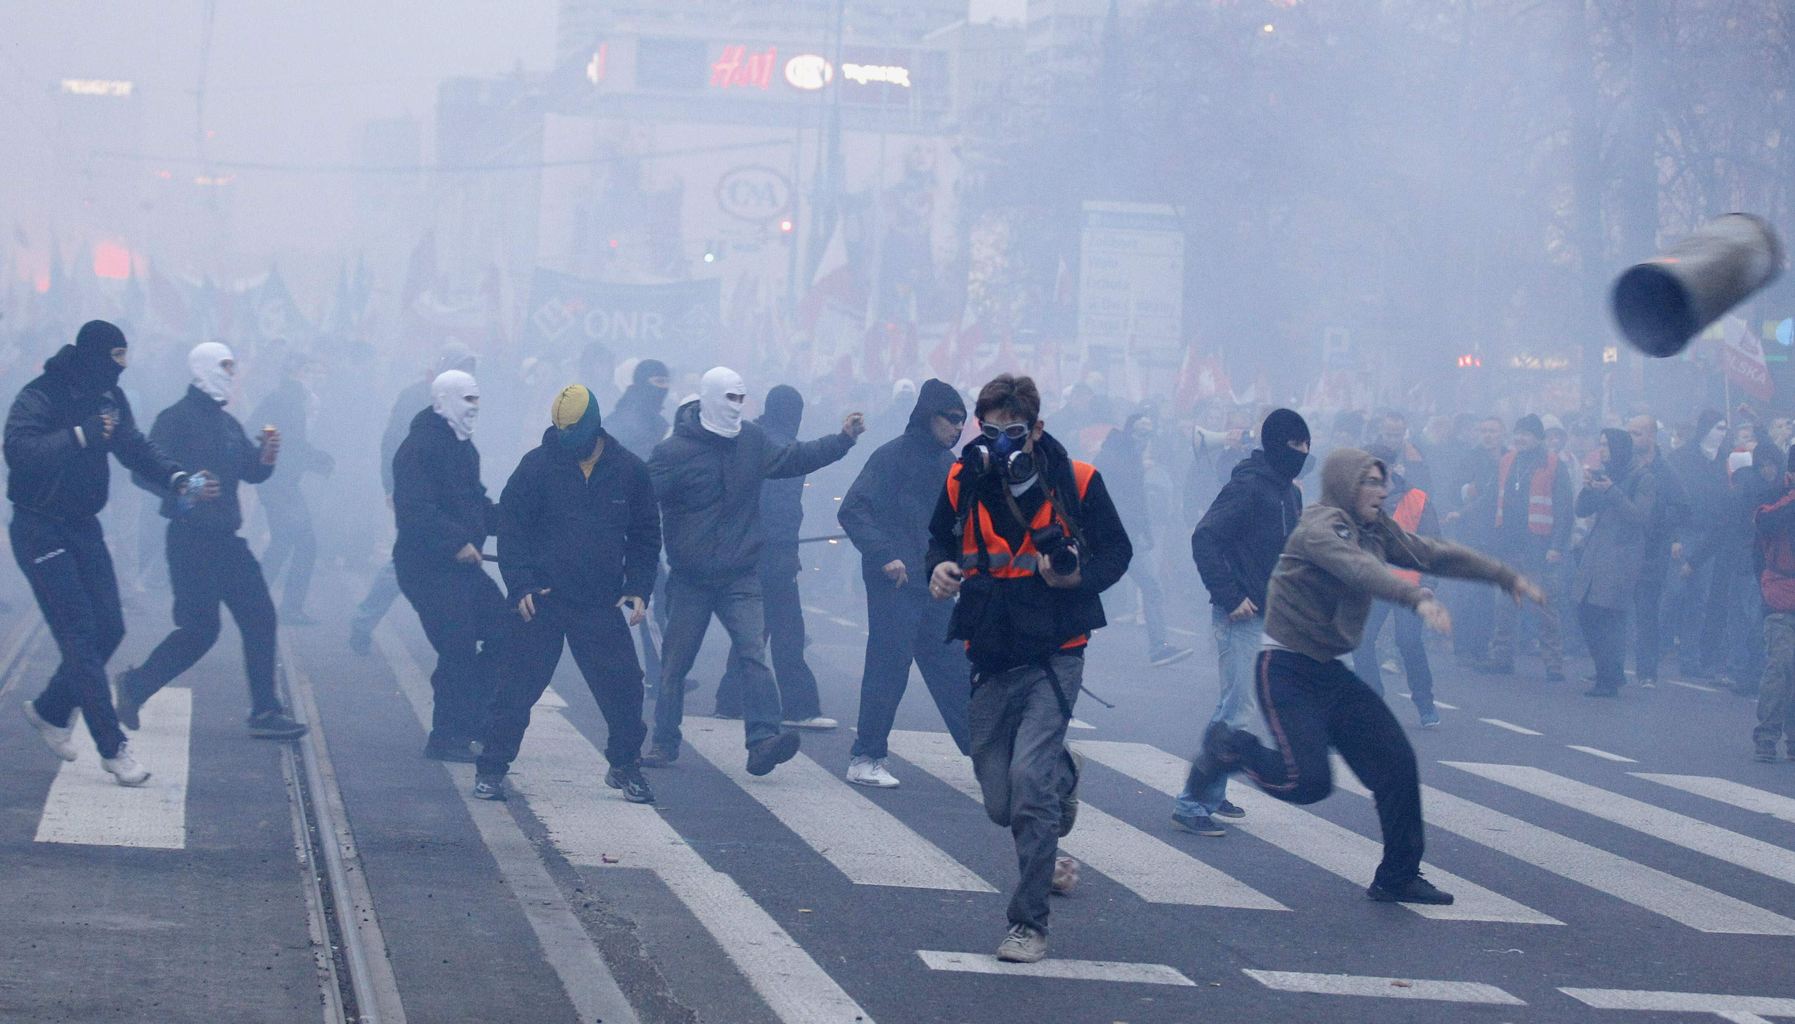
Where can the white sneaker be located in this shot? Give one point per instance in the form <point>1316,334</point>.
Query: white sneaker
<point>125,768</point>
<point>60,741</point>
<point>867,771</point>
<point>817,723</point>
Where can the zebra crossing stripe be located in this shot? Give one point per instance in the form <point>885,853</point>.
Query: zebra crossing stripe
<point>86,807</point>
<point>1336,850</point>
<point>1727,791</point>
<point>1734,1008</point>
<point>558,772</point>
<point>1384,988</point>
<point>1510,726</point>
<point>1677,829</point>
<point>1603,754</point>
<point>1151,869</point>
<point>1072,970</point>
<point>863,840</point>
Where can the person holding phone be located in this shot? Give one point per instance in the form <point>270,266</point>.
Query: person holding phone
<point>1621,503</point>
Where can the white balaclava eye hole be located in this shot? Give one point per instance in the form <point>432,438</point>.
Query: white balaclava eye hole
<point>210,374</point>
<point>454,395</point>
<point>716,412</point>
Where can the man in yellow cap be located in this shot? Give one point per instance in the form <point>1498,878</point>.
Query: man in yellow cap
<point>579,542</point>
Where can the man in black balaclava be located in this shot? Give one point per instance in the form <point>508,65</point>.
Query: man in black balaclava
<point>781,517</point>
<point>886,516</point>
<point>1236,547</point>
<point>58,433</point>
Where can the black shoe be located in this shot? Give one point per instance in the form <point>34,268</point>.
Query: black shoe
<point>1069,802</point>
<point>769,754</point>
<point>1493,667</point>
<point>1765,752</point>
<point>1198,824</point>
<point>1601,691</point>
<point>460,751</point>
<point>489,787</point>
<point>1415,890</point>
<point>659,756</point>
<point>276,725</point>
<point>123,703</point>
<point>1229,810</point>
<point>630,780</point>
<point>361,642</point>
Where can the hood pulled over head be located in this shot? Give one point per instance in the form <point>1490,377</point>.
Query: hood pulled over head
<point>783,411</point>
<point>578,424</point>
<point>935,398</point>
<point>1340,476</point>
<point>213,368</point>
<point>455,396</point>
<point>720,395</point>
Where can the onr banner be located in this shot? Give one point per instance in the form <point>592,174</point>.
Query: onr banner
<point>1742,356</point>
<point>567,313</point>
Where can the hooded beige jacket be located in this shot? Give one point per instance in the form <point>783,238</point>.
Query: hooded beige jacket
<point>1333,567</point>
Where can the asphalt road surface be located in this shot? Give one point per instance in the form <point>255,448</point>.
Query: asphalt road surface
<point>1617,861</point>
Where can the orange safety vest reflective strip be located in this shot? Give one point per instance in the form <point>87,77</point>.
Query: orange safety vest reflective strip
<point>1408,516</point>
<point>1007,563</point>
<point>1539,494</point>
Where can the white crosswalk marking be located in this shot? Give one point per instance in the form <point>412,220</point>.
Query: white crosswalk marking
<point>1603,754</point>
<point>558,772</point>
<point>1685,902</point>
<point>1677,829</point>
<point>1734,1008</point>
<point>86,806</point>
<point>863,840</point>
<point>1153,870</point>
<point>550,699</point>
<point>1339,851</point>
<point>1074,970</point>
<point>1727,791</point>
<point>1384,988</point>
<point>1510,726</point>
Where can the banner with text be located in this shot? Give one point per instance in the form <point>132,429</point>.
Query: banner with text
<point>676,321</point>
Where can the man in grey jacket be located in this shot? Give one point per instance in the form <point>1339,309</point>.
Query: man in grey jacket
<point>1335,564</point>
<point>707,478</point>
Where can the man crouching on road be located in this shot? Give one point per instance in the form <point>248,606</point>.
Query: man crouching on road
<point>1333,566</point>
<point>1027,538</point>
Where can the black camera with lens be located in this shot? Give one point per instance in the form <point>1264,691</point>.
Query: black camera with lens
<point>1057,548</point>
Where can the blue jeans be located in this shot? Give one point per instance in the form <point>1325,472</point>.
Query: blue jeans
<point>1236,653</point>
<point>737,604</point>
<point>1409,643</point>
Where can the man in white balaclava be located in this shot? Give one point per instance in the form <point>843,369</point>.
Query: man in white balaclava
<point>444,517</point>
<point>707,478</point>
<point>208,563</point>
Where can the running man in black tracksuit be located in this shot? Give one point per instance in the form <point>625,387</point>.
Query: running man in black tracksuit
<point>444,517</point>
<point>208,563</point>
<point>579,542</point>
<point>58,433</point>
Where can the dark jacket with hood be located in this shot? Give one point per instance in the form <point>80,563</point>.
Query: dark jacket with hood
<point>636,422</point>
<point>55,446</point>
<point>886,511</point>
<point>709,491</point>
<point>782,499</point>
<point>1614,549</point>
<point>439,503</point>
<point>398,423</point>
<point>199,433</point>
<point>1014,622</point>
<point>590,540</point>
<point>1123,462</point>
<point>1333,567</point>
<point>1236,544</point>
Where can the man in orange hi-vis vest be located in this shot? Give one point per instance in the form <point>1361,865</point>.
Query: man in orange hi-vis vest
<point>1412,510</point>
<point>1026,538</point>
<point>1533,531</point>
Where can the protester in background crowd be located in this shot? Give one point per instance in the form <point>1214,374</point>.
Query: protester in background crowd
<point>385,588</point>
<point>1622,504</point>
<point>1668,515</point>
<point>1473,523</point>
<point>1410,508</point>
<point>1123,461</point>
<point>1393,433</point>
<point>638,423</point>
<point>886,516</point>
<point>292,545</point>
<point>59,431</point>
<point>1699,467</point>
<point>1753,486</point>
<point>1236,548</point>
<point>1774,522</point>
<point>707,477</point>
<point>782,519</point>
<point>444,517</point>
<point>208,563</point>
<point>1532,532</point>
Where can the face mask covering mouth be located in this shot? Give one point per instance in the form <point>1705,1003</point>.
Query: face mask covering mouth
<point>455,396</point>
<point>214,370</point>
<point>721,395</point>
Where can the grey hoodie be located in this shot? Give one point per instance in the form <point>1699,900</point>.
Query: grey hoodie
<point>1333,567</point>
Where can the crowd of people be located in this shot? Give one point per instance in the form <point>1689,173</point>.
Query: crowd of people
<point>988,526</point>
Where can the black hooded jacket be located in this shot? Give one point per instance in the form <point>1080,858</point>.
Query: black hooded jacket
<point>590,540</point>
<point>708,487</point>
<point>1237,542</point>
<point>56,449</point>
<point>886,511</point>
<point>197,431</point>
<point>636,421</point>
<point>439,503</point>
<point>781,500</point>
<point>1032,619</point>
